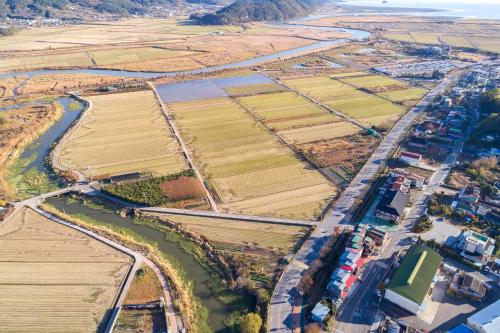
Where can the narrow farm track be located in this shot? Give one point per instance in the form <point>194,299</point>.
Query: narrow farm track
<point>139,259</point>
<point>185,150</point>
<point>235,217</point>
<point>315,101</point>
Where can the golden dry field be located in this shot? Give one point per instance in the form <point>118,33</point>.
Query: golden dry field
<point>7,86</point>
<point>147,44</point>
<point>469,33</point>
<point>64,82</point>
<point>249,170</point>
<point>55,279</point>
<point>122,133</point>
<point>261,235</point>
<point>363,106</point>
<point>286,110</point>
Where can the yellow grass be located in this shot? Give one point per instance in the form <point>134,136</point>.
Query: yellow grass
<point>244,162</point>
<point>122,133</point>
<point>63,279</point>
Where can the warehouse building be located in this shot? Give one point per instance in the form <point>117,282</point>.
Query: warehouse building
<point>487,320</point>
<point>414,279</point>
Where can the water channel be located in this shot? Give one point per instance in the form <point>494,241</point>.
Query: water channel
<point>355,35</point>
<point>34,157</point>
<point>193,269</point>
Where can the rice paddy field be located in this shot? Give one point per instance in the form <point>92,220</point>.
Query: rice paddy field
<point>121,133</point>
<point>249,170</point>
<point>363,106</point>
<point>386,87</point>
<point>286,110</point>
<point>55,279</point>
<point>145,44</point>
<point>241,233</point>
<point>469,33</point>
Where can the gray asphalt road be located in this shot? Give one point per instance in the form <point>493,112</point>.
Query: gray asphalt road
<point>280,312</point>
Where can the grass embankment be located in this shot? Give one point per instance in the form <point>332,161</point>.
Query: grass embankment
<point>14,179</point>
<point>193,313</point>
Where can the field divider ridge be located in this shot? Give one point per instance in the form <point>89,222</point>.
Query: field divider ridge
<point>315,101</point>
<point>185,150</point>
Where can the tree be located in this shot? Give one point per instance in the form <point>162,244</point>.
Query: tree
<point>250,323</point>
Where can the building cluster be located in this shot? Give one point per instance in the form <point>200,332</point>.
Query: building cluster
<point>361,243</point>
<point>425,69</point>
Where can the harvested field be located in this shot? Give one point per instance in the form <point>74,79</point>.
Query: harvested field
<point>49,269</point>
<point>468,33</point>
<point>393,90</point>
<point>254,89</point>
<point>320,132</point>
<point>245,165</point>
<point>286,110</point>
<point>368,108</point>
<point>121,133</point>
<point>261,235</point>
<point>148,45</point>
<point>65,82</point>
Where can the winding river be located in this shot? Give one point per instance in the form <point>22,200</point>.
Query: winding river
<point>35,157</point>
<point>356,35</point>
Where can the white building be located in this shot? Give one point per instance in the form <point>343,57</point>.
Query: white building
<point>487,320</point>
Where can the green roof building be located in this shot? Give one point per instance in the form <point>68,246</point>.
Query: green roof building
<point>413,279</point>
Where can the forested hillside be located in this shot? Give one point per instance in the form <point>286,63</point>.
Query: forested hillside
<point>243,11</point>
<point>25,8</point>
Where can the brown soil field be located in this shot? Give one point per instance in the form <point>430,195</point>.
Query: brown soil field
<point>183,188</point>
<point>18,128</point>
<point>120,133</point>
<point>54,278</point>
<point>350,151</point>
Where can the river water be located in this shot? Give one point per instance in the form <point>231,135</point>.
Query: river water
<point>34,156</point>
<point>193,269</point>
<point>355,35</point>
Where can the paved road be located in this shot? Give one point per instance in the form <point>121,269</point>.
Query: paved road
<point>356,314</point>
<point>227,216</point>
<point>280,312</point>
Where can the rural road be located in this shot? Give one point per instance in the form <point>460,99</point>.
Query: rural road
<point>227,216</point>
<point>285,292</point>
<point>139,259</point>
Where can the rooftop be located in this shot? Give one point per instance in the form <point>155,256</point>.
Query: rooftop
<point>488,318</point>
<point>415,274</point>
<point>393,202</point>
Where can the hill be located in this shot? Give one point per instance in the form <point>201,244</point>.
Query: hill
<point>53,8</point>
<point>243,11</point>
<point>490,101</point>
